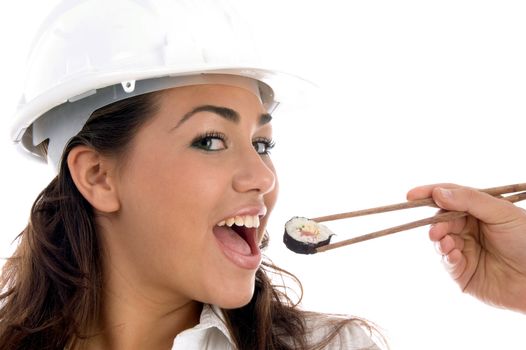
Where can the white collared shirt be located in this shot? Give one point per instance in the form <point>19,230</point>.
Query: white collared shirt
<point>212,334</point>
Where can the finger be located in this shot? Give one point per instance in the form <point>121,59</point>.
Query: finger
<point>426,191</point>
<point>441,229</point>
<point>455,263</point>
<point>449,243</point>
<point>481,205</point>
<point>422,192</point>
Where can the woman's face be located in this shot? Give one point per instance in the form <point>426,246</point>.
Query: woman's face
<point>198,164</point>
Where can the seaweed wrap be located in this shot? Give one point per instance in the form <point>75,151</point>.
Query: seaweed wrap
<point>303,236</point>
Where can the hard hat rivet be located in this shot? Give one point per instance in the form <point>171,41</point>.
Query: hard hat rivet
<point>128,86</point>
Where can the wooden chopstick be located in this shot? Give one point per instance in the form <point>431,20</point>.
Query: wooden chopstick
<point>494,191</point>
<point>440,217</point>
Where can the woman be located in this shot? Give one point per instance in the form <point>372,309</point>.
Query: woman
<point>150,235</point>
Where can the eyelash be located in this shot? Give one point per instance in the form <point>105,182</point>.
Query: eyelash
<point>269,144</point>
<point>208,136</point>
<point>214,135</point>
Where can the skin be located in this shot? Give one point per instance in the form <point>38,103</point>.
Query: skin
<point>485,252</point>
<point>156,210</point>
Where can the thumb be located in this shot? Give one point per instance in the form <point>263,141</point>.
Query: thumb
<point>481,205</point>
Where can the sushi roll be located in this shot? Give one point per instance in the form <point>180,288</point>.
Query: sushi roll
<point>303,236</point>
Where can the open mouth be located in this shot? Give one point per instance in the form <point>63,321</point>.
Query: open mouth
<point>239,234</point>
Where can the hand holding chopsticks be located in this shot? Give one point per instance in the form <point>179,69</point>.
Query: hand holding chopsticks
<point>485,253</point>
<point>440,217</point>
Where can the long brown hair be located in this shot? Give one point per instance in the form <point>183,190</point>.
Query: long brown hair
<point>51,286</point>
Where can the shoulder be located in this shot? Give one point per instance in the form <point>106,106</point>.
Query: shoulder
<point>339,332</point>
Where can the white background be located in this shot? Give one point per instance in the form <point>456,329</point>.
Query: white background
<point>411,92</point>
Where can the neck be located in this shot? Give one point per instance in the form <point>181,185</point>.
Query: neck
<point>131,319</point>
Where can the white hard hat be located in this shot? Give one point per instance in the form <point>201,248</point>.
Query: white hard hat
<point>90,53</point>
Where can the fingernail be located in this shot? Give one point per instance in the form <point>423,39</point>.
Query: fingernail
<point>437,248</point>
<point>446,261</point>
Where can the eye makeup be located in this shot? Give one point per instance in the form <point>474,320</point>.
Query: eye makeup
<point>211,141</point>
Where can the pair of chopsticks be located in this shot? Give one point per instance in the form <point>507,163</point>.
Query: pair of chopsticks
<point>440,217</point>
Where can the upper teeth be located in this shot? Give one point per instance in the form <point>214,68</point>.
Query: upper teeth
<point>245,220</point>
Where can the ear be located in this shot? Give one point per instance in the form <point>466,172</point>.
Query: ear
<point>93,175</point>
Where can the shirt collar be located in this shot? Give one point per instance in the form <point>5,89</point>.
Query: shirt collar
<point>212,316</point>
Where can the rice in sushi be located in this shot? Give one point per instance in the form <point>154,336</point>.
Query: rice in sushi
<point>303,236</point>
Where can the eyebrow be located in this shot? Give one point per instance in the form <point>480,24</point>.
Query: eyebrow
<point>224,112</point>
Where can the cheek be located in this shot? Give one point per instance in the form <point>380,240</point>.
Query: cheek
<point>166,218</point>
<point>182,190</point>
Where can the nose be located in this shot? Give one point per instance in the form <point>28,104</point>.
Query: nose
<point>254,173</point>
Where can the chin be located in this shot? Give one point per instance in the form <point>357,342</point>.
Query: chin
<point>235,297</point>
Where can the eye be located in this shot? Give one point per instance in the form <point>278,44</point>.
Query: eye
<point>263,145</point>
<point>211,141</point>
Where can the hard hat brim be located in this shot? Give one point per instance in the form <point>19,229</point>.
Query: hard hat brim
<point>286,87</point>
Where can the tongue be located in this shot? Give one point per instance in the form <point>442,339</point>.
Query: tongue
<point>229,238</point>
